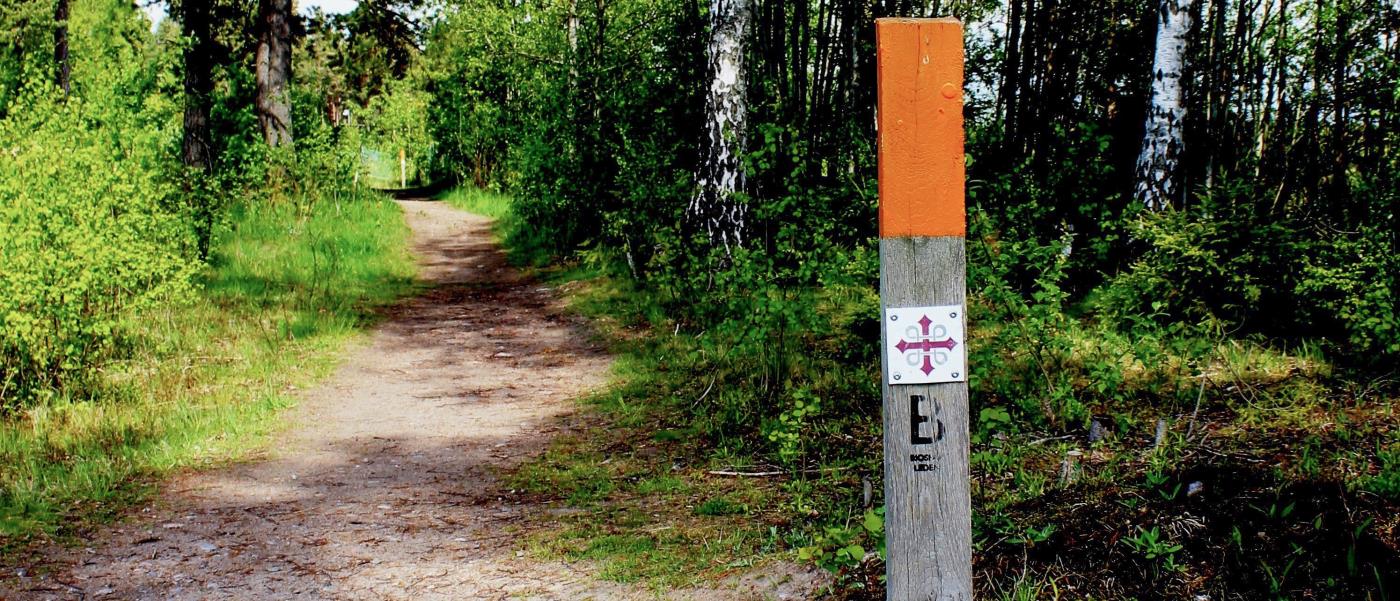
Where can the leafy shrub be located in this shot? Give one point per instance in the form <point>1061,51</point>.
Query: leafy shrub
<point>1350,284</point>
<point>27,47</point>
<point>1196,268</point>
<point>1022,341</point>
<point>1222,266</point>
<point>86,237</point>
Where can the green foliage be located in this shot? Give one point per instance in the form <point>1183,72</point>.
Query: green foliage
<point>397,120</point>
<point>1387,481</point>
<point>593,143</point>
<point>381,39</point>
<point>1194,270</point>
<point>1352,283</point>
<point>25,48</point>
<point>89,234</point>
<point>1154,546</point>
<point>840,549</point>
<point>1217,266</point>
<point>201,382</point>
<point>791,429</point>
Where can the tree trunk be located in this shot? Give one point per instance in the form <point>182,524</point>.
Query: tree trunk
<point>572,26</point>
<point>721,178</point>
<point>1010,75</point>
<point>198,23</point>
<point>60,46</point>
<point>1341,188</point>
<point>1162,143</point>
<point>274,71</point>
<point>1215,30</point>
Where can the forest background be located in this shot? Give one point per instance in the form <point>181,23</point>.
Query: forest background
<point>1197,391</point>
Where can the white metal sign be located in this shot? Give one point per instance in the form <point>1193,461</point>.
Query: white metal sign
<point>925,345</point>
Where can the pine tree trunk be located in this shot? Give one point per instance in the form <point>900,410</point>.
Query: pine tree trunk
<point>1162,144</point>
<point>60,46</point>
<point>198,24</point>
<point>274,71</point>
<point>715,206</point>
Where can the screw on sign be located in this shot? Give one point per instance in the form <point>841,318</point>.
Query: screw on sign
<point>928,506</point>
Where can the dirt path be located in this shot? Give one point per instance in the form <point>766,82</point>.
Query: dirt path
<point>385,487</point>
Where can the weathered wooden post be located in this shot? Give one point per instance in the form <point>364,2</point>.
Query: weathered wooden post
<point>403,169</point>
<point>928,515</point>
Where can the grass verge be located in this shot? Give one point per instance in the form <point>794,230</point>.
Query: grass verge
<point>481,202</point>
<point>630,487</point>
<point>288,286</point>
<point>1171,463</point>
<point>629,491</point>
<point>524,247</point>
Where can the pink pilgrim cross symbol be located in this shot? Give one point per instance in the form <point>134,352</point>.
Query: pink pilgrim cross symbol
<point>926,345</point>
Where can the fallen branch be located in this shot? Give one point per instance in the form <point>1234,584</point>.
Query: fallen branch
<point>1042,441</point>
<point>735,474</point>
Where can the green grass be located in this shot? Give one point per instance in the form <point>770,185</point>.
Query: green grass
<point>1387,481</point>
<point>1246,419</point>
<point>480,202</point>
<point>719,507</point>
<point>524,245</point>
<point>635,545</point>
<point>288,287</point>
<point>661,485</point>
<point>630,508</point>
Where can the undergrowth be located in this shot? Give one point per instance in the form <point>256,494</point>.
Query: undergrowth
<point>288,285</point>
<point>1162,458</point>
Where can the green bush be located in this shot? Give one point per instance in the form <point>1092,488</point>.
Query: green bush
<point>27,29</point>
<point>1195,268</point>
<point>1217,265</point>
<point>1348,284</point>
<point>86,238</point>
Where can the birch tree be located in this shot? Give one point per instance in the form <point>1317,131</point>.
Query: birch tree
<point>1162,143</point>
<point>274,71</point>
<point>716,206</point>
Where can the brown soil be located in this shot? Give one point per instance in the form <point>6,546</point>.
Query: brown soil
<point>385,486</point>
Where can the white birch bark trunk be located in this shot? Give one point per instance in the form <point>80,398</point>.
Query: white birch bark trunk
<point>571,31</point>
<point>571,25</point>
<point>1162,143</point>
<point>716,206</point>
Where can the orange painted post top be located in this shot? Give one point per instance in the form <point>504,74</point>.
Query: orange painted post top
<point>922,165</point>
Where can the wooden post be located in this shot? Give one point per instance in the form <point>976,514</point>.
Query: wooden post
<point>928,515</point>
<point>403,170</point>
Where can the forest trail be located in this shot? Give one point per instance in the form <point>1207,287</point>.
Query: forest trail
<point>387,485</point>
